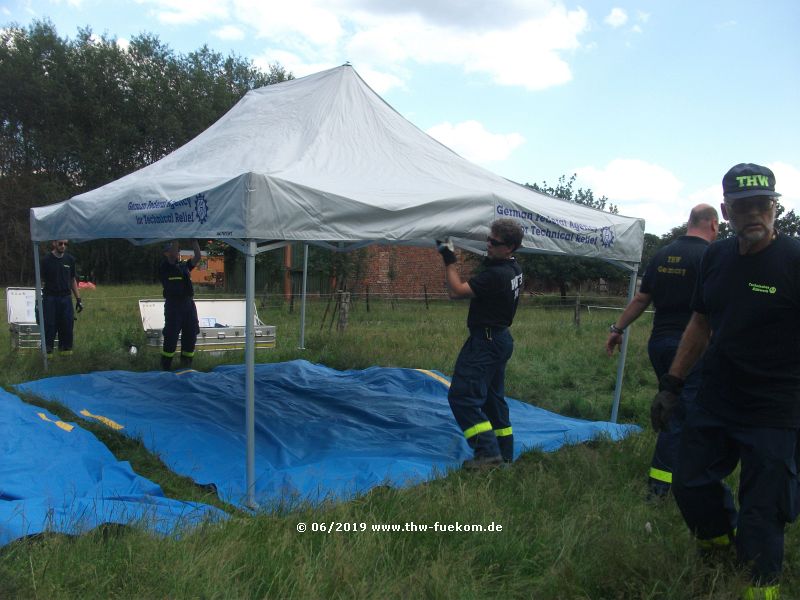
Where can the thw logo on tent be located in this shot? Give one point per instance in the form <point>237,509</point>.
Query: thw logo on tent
<point>607,237</point>
<point>201,208</point>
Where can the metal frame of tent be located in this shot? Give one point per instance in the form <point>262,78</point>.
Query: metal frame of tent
<point>347,204</point>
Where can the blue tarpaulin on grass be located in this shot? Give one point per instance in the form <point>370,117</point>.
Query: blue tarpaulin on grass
<point>55,476</point>
<point>320,433</point>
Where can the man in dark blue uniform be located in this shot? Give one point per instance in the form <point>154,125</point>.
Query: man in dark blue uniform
<point>58,283</point>
<point>747,321</point>
<point>180,312</point>
<point>668,283</point>
<point>477,390</point>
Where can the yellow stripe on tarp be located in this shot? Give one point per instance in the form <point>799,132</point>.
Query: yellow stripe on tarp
<point>436,376</point>
<point>104,420</point>
<point>61,424</point>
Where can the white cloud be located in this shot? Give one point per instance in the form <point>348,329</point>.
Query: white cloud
<point>291,61</point>
<point>71,3</point>
<point>520,43</point>
<point>229,32</point>
<point>471,140</point>
<point>787,182</point>
<point>453,13</point>
<point>651,192</point>
<point>640,189</point>
<point>313,26</point>
<point>379,81</point>
<point>187,12</point>
<point>524,43</point>
<point>527,54</point>
<point>616,18</point>
<point>123,43</point>
<point>636,29</point>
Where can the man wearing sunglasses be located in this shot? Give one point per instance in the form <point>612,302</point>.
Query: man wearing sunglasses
<point>59,281</point>
<point>477,389</point>
<point>746,325</point>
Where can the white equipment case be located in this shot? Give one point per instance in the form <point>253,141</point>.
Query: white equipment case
<point>222,325</point>
<point>21,309</point>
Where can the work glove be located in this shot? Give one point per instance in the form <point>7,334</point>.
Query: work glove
<point>78,305</point>
<point>446,248</point>
<point>665,401</point>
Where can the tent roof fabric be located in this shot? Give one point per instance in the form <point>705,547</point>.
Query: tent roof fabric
<point>324,159</point>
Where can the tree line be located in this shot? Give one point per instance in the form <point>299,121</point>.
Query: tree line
<point>78,113</point>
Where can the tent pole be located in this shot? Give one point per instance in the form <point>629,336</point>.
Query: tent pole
<point>39,303</point>
<point>623,352</point>
<point>249,357</point>
<point>302,345</point>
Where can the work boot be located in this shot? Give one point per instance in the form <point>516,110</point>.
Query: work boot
<point>186,362</point>
<point>166,363</point>
<point>657,491</point>
<point>480,463</point>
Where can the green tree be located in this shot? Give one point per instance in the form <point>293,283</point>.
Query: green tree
<point>564,271</point>
<point>78,113</point>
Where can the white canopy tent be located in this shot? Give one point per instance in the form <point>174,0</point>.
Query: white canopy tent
<point>324,160</point>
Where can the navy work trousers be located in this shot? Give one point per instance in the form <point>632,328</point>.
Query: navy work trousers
<point>768,487</point>
<point>59,318</point>
<point>661,350</point>
<point>180,318</point>
<point>477,392</point>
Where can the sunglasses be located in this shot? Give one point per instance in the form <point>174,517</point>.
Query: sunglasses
<point>495,242</point>
<point>746,205</point>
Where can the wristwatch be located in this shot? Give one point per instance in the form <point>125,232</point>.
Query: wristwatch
<point>615,329</point>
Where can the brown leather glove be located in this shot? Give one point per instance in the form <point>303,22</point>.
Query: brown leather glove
<point>665,401</point>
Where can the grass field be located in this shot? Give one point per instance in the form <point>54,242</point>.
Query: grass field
<point>574,523</point>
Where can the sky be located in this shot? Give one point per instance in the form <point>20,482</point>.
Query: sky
<point>647,102</point>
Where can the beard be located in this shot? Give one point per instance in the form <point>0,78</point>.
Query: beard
<point>752,235</point>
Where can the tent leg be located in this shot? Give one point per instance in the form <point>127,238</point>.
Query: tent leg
<point>39,303</point>
<point>302,345</point>
<point>249,357</point>
<point>623,352</point>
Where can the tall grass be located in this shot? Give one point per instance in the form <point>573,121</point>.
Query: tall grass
<point>574,523</point>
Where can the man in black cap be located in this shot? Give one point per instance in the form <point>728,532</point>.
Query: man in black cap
<point>668,284</point>
<point>180,312</point>
<point>747,321</point>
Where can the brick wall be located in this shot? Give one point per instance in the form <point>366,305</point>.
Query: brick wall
<point>405,271</point>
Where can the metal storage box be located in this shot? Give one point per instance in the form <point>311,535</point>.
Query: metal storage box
<point>222,325</point>
<point>21,309</point>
